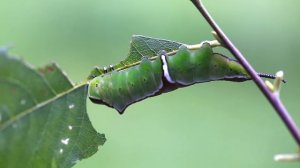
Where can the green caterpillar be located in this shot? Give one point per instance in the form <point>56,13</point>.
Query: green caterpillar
<point>119,89</point>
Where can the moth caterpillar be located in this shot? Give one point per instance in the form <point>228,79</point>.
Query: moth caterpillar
<point>119,89</point>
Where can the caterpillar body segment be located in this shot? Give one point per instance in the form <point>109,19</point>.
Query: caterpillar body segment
<point>122,88</point>
<point>189,67</point>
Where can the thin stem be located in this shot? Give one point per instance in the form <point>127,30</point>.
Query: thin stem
<point>273,98</point>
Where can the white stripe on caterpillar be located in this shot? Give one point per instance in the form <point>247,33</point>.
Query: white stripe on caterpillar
<point>165,69</point>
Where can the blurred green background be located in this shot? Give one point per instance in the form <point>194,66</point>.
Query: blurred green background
<point>217,124</point>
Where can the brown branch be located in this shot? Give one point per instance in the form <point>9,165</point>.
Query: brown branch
<point>271,96</point>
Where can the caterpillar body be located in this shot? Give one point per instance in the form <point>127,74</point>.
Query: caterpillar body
<point>119,89</point>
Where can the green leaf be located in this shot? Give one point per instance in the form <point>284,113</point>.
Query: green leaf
<point>43,119</point>
<point>56,78</point>
<point>147,46</point>
<point>141,46</point>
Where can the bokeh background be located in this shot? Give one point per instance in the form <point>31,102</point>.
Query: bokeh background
<point>217,124</point>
